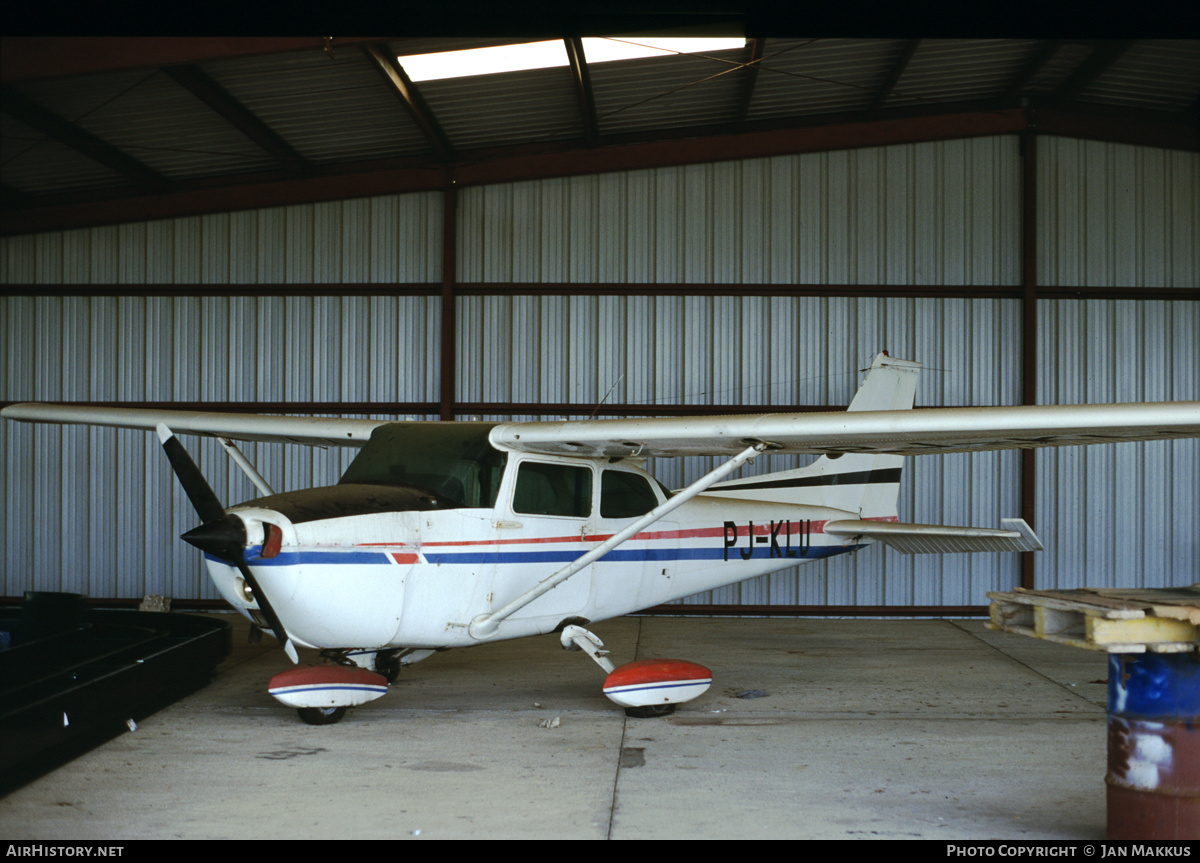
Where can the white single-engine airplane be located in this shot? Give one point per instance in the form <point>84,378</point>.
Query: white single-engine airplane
<point>445,535</point>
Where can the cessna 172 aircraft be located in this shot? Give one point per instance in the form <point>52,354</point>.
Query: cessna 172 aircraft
<point>444,535</point>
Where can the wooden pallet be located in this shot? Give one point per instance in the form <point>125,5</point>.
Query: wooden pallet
<point>1115,620</point>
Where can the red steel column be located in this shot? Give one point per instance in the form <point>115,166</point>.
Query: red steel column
<point>449,341</point>
<point>1029,334</point>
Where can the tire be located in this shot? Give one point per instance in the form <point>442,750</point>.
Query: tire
<point>321,715</point>
<point>388,664</point>
<point>650,711</point>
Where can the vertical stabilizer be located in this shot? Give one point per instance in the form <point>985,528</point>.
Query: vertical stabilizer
<point>865,484</point>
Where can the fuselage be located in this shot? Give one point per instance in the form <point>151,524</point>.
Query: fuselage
<point>374,565</point>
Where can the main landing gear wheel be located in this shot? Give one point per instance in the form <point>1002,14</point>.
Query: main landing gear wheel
<point>387,663</point>
<point>650,711</point>
<point>321,715</point>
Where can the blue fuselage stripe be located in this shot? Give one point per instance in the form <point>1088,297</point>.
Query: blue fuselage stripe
<point>619,555</point>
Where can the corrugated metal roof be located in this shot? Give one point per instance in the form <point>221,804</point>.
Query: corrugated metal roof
<point>956,70</point>
<point>666,92</point>
<point>130,132</point>
<point>1057,68</point>
<point>162,125</point>
<point>48,166</point>
<point>820,76</point>
<point>331,109</point>
<point>518,107</point>
<point>1159,73</point>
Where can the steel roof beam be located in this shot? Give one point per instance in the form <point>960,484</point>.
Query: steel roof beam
<point>894,74</point>
<point>1101,60</point>
<point>1043,52</point>
<point>212,94</point>
<point>46,122</point>
<point>754,56</point>
<point>583,89</point>
<point>410,97</point>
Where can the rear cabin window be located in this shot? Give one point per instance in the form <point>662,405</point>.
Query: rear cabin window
<point>625,495</point>
<point>553,489</point>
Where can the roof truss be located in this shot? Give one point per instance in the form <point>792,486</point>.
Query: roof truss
<point>410,97</point>
<point>195,81</point>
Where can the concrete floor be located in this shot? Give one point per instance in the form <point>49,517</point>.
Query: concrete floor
<point>923,729</point>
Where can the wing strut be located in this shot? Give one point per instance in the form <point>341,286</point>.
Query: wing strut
<point>485,625</point>
<point>246,465</point>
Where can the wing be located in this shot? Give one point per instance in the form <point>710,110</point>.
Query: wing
<point>934,430</point>
<point>314,431</point>
<point>906,432</point>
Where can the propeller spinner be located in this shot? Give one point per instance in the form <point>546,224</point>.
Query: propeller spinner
<point>223,536</point>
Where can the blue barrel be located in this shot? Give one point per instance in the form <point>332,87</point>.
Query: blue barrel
<point>1153,775</point>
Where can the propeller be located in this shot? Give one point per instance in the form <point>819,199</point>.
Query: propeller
<point>223,536</point>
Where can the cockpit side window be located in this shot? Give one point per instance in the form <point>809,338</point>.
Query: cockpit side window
<point>553,489</point>
<point>625,495</point>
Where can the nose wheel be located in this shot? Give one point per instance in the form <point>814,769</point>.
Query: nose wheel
<point>322,715</point>
<point>321,694</point>
<point>650,711</point>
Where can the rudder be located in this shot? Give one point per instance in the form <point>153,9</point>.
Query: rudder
<point>861,483</point>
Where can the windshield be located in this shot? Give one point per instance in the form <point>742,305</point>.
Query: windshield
<point>451,459</point>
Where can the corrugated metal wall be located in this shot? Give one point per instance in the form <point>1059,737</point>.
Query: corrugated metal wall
<point>925,214</point>
<point>1117,215</point>
<point>80,503</point>
<point>1125,515</point>
<point>1113,215</point>
<point>384,240</point>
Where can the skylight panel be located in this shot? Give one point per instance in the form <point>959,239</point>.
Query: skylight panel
<point>605,49</point>
<point>551,54</point>
<point>485,61</point>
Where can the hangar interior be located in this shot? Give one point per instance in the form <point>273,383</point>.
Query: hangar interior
<point>295,226</point>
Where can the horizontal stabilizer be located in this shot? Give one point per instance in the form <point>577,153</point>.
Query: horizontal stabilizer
<point>938,539</point>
